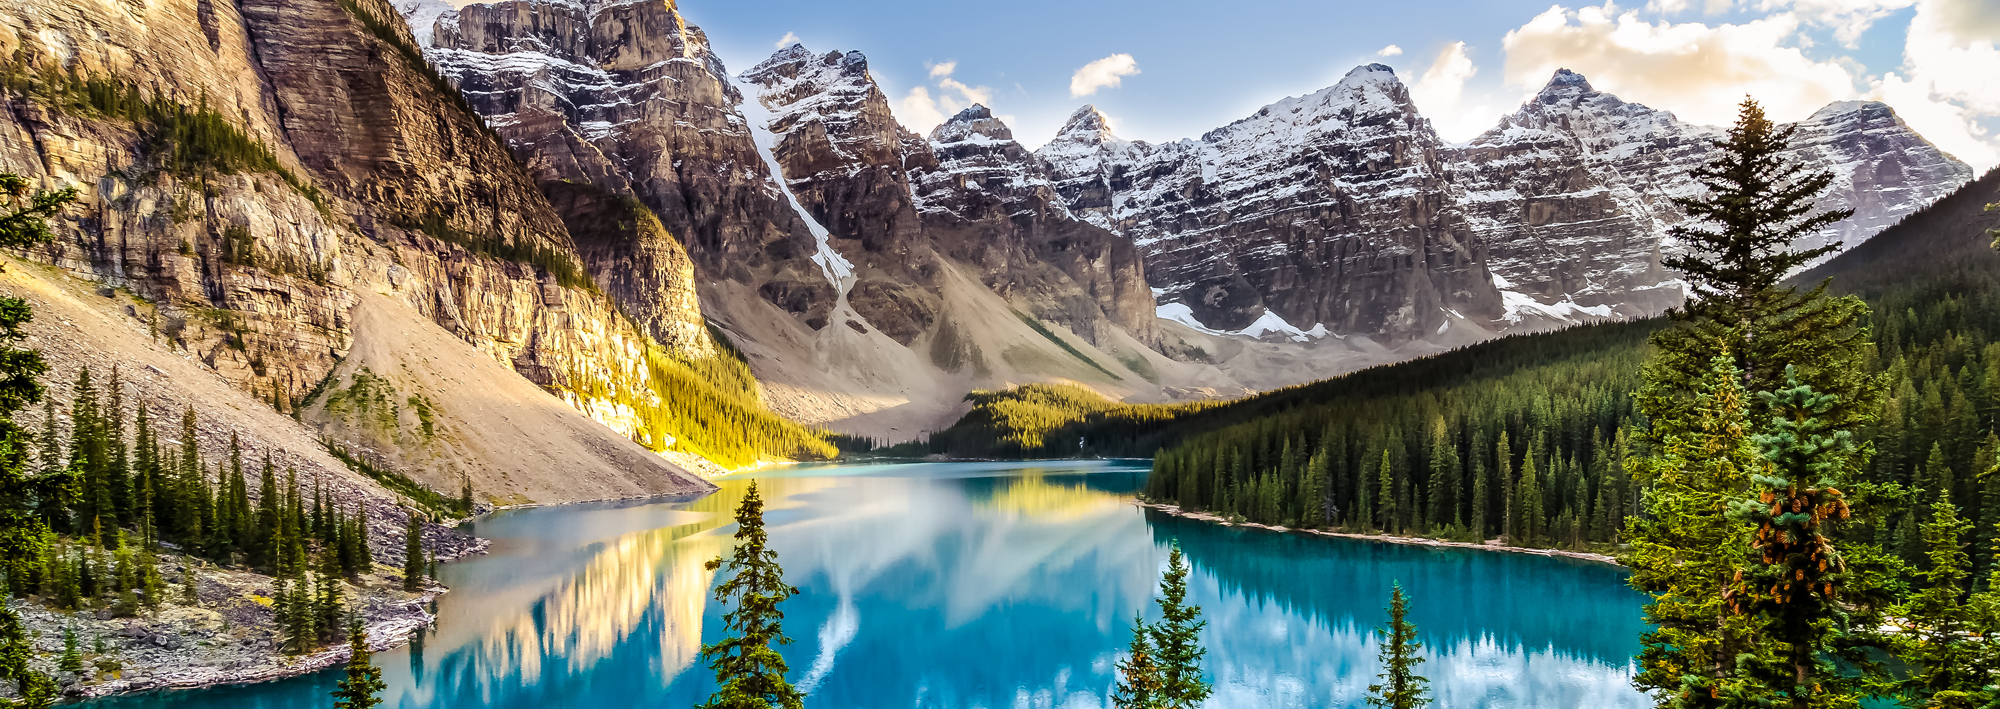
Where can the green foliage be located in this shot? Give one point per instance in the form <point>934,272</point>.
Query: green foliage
<point>424,497</point>
<point>707,406</point>
<point>1036,325</point>
<point>1401,686</point>
<point>1048,421</point>
<point>749,672</point>
<point>359,689</point>
<point>1139,685</point>
<point>553,259</point>
<point>187,141</point>
<point>1176,640</point>
<point>413,554</point>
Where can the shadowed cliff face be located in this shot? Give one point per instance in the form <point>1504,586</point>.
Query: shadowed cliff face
<point>1330,209</point>
<point>393,186</point>
<point>906,201</point>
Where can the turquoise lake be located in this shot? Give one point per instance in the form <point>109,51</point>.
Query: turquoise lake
<point>976,585</point>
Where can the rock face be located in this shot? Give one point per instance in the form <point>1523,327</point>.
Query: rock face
<point>1343,207</point>
<point>386,182</point>
<point>627,97</point>
<point>1574,191</point>
<point>1332,209</point>
<point>969,193</point>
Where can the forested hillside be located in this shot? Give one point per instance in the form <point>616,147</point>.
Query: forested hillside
<point>1531,431</point>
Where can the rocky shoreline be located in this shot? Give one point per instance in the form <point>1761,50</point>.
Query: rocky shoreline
<point>229,637</point>
<point>1389,538</point>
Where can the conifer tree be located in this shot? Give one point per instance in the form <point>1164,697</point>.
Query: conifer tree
<point>1795,578</point>
<point>363,682</point>
<point>1505,474</point>
<point>1739,234</point>
<point>1687,550</point>
<point>1528,506</point>
<point>72,658</point>
<point>1444,475</point>
<point>749,672</point>
<point>1386,495</point>
<point>1313,493</point>
<point>1401,686</point>
<point>29,500</point>
<point>1139,685</point>
<point>329,607</point>
<point>413,554</point>
<point>1481,492</point>
<point>1176,639</point>
<point>1946,670</point>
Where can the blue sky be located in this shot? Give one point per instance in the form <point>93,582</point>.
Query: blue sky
<point>1201,65</point>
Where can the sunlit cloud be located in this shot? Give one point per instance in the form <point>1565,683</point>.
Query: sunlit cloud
<point>1440,94</point>
<point>1389,51</point>
<point>1102,74</point>
<point>1698,71</point>
<point>922,109</point>
<point>789,39</point>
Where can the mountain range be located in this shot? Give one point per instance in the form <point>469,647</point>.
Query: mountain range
<point>582,193</point>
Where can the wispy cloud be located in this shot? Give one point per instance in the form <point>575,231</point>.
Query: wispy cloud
<point>1103,73</point>
<point>921,109</point>
<point>1389,51</point>
<point>789,39</point>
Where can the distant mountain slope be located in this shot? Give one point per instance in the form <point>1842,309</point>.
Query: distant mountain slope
<point>1342,208</point>
<point>1931,276</point>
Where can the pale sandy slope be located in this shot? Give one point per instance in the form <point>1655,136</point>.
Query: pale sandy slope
<point>517,442</point>
<point>866,384</point>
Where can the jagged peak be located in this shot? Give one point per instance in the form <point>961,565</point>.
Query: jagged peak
<point>1087,125</point>
<point>1564,78</point>
<point>798,56</point>
<point>975,120</point>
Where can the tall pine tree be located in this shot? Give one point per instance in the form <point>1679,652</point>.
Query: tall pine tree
<point>749,672</point>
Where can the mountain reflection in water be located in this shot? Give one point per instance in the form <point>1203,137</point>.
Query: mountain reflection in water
<point>977,585</point>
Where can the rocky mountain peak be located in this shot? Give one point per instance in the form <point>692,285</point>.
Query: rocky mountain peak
<point>1086,125</point>
<point>1566,79</point>
<point>977,121</point>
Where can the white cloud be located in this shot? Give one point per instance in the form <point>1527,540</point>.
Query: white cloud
<point>1103,73</point>
<point>1389,51</point>
<point>1950,79</point>
<point>1847,18</point>
<point>789,39</point>
<point>1440,94</point>
<point>1698,71</point>
<point>920,110</point>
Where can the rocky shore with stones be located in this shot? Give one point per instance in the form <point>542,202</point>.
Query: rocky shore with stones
<point>229,636</point>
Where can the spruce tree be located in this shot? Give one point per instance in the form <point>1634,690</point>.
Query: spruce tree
<point>1795,579</point>
<point>1444,475</point>
<point>1687,550</point>
<point>359,689</point>
<point>72,657</point>
<point>1385,494</point>
<point>749,672</point>
<point>1401,687</point>
<point>1139,685</point>
<point>413,553</point>
<point>1947,670</point>
<point>1176,639</point>
<point>1528,505</point>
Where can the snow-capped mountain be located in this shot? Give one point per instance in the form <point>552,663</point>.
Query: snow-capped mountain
<point>1330,210</point>
<point>1343,208</point>
<point>1573,192</point>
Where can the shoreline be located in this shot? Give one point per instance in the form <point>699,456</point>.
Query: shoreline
<point>1176,511</point>
<point>383,635</point>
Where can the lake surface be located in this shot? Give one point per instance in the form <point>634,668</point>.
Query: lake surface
<point>976,585</point>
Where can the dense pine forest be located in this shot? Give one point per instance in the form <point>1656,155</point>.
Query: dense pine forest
<point>1526,437</point>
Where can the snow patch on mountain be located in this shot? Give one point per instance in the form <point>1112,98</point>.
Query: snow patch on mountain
<point>1267,323</point>
<point>837,269</point>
